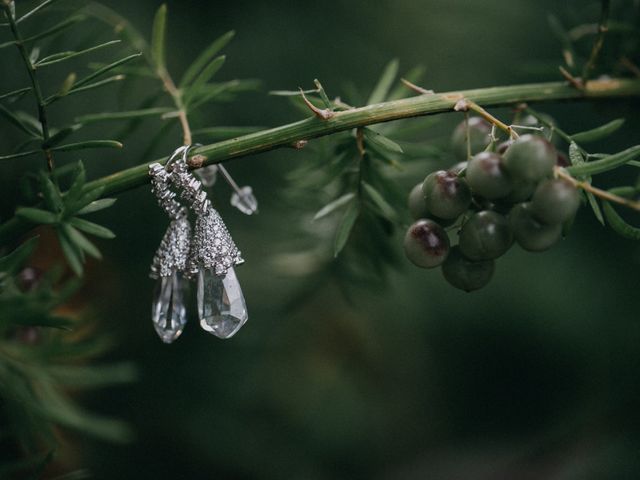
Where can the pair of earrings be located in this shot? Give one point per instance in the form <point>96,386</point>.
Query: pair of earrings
<point>207,254</point>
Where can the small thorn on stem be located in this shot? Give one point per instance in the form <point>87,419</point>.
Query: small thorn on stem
<point>196,161</point>
<point>322,114</point>
<point>299,144</point>
<point>416,88</point>
<point>461,105</point>
<point>575,82</point>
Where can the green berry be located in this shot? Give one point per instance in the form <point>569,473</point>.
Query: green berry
<point>446,195</point>
<point>485,236</point>
<point>486,176</point>
<point>530,233</point>
<point>417,205</point>
<point>520,191</point>
<point>426,244</point>
<point>479,138</point>
<point>466,274</point>
<point>555,201</point>
<point>530,159</point>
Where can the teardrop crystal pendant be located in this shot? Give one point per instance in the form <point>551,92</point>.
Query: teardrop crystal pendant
<point>168,310</point>
<point>221,306</point>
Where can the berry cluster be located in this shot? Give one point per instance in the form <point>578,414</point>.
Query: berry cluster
<point>490,201</point>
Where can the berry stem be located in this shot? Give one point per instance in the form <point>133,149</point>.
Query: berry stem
<point>603,194</point>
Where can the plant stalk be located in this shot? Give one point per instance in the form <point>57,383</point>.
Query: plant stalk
<point>313,127</point>
<point>35,85</point>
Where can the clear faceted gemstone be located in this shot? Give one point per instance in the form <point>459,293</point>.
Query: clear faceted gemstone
<point>221,306</point>
<point>245,201</point>
<point>208,175</point>
<point>168,310</point>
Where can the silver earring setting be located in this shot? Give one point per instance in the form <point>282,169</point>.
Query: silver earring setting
<point>208,256</point>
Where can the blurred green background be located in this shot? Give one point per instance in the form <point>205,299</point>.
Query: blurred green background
<point>536,376</point>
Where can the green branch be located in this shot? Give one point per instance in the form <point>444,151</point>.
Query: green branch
<point>37,91</point>
<point>313,127</point>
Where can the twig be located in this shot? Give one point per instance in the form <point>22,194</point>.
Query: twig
<point>465,104</point>
<point>561,173</point>
<point>33,78</point>
<point>598,42</point>
<point>576,82</point>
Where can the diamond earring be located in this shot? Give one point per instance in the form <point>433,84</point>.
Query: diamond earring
<point>213,254</point>
<point>168,310</point>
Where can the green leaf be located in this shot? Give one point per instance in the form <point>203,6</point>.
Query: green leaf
<point>96,206</point>
<point>18,122</point>
<point>595,206</point>
<point>87,197</point>
<point>91,228</point>
<point>605,164</point>
<point>345,227</point>
<point>69,22</point>
<point>599,132</point>
<point>71,253</point>
<point>75,191</point>
<point>401,91</point>
<point>377,198</point>
<point>35,10</point>
<point>11,156</point>
<point>334,205</point>
<point>381,89</point>
<point>60,136</point>
<point>575,156</point>
<point>37,215</point>
<point>158,38</point>
<point>217,91</point>
<point>87,144</point>
<point>291,93</point>
<point>90,86</point>
<point>382,141</point>
<point>50,192</point>
<point>15,93</point>
<point>205,58</point>
<point>617,223</point>
<point>80,241</point>
<point>207,74</point>
<point>126,115</point>
<point>12,262</point>
<point>67,84</point>
<point>63,56</point>
<point>101,71</point>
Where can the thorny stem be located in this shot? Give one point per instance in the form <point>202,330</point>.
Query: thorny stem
<point>286,135</point>
<point>598,42</point>
<point>35,85</point>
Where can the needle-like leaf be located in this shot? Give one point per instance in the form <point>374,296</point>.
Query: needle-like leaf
<point>158,38</point>
<point>205,58</point>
